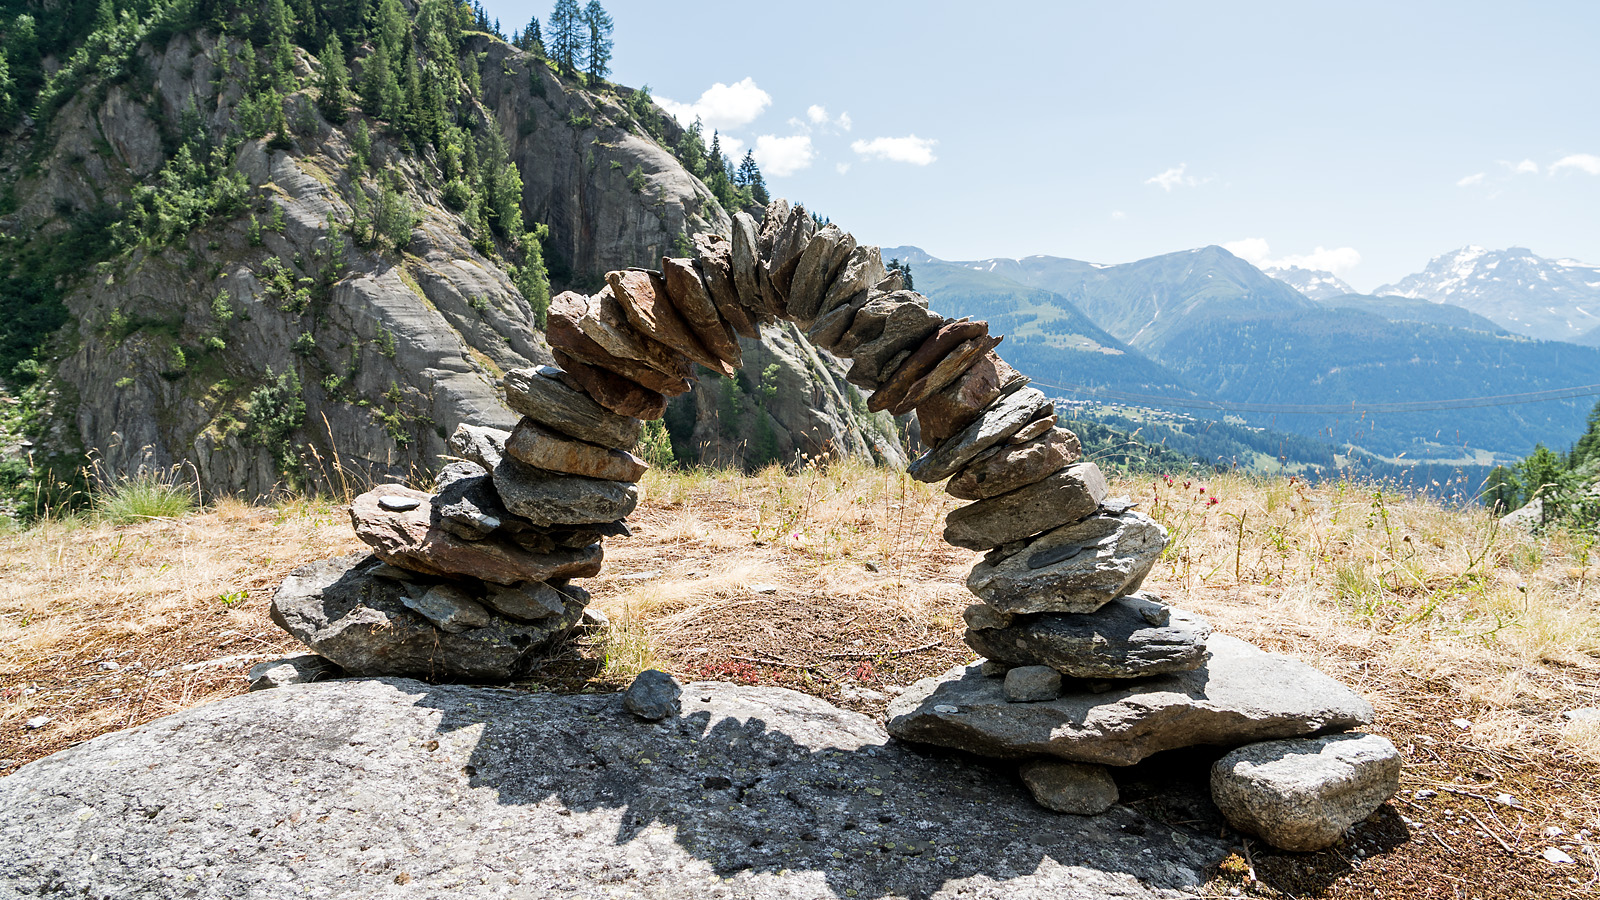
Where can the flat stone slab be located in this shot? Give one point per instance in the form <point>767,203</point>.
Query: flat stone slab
<point>1302,794</point>
<point>1242,695</point>
<point>345,611</point>
<point>548,498</point>
<point>393,787</point>
<point>1069,495</point>
<point>540,394</point>
<point>994,424</point>
<point>1119,641</point>
<point>1077,568</point>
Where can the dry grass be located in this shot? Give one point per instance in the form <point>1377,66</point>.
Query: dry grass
<point>835,581</point>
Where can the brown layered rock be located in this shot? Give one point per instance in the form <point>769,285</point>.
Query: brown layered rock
<point>1002,419</point>
<point>644,300</point>
<point>552,452</point>
<point>1009,466</point>
<point>542,396</point>
<point>1077,568</point>
<point>953,366</point>
<point>789,241</point>
<point>903,331</point>
<point>1067,496</point>
<point>863,269</point>
<point>947,412</point>
<point>564,330</point>
<point>923,360</point>
<point>870,318</point>
<point>820,263</point>
<point>687,289</point>
<point>411,539</point>
<point>612,391</point>
<point>716,266</point>
<point>831,327</point>
<point>603,319</point>
<point>749,273</point>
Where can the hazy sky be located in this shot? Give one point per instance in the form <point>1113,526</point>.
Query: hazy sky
<point>1365,137</point>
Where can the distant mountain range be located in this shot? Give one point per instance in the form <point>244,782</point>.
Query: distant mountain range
<point>1526,294</point>
<point>1203,326</point>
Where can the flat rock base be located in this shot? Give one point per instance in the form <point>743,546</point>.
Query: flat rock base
<point>392,787</point>
<point>1240,696</point>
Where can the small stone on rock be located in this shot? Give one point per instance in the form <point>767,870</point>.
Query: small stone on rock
<point>653,696</point>
<point>399,504</point>
<point>36,723</point>
<point>1302,794</point>
<point>1557,857</point>
<point>1032,684</point>
<point>1077,788</point>
<point>302,669</point>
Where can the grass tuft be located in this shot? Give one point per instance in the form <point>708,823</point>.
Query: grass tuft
<point>143,497</point>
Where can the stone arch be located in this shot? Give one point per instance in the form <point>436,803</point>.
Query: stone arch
<point>470,580</point>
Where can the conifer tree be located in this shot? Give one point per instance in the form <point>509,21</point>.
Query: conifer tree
<point>566,35</point>
<point>333,85</point>
<point>531,39</point>
<point>747,172</point>
<point>8,92</point>
<point>598,24</point>
<point>393,31</point>
<point>380,90</point>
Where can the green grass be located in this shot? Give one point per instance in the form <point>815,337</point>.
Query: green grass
<point>142,497</point>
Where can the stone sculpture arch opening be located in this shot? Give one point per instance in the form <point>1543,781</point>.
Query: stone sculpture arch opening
<point>471,580</point>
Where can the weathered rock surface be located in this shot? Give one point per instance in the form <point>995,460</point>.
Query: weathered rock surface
<point>1242,695</point>
<point>963,357</point>
<point>789,239</point>
<point>861,271</point>
<point>990,427</point>
<point>344,611</point>
<point>892,395</point>
<point>540,395</point>
<point>1067,496</point>
<point>546,498</point>
<point>820,263</point>
<point>1013,465</point>
<point>469,508</point>
<point>903,331</point>
<point>451,609</point>
<point>644,300</point>
<point>653,696</point>
<point>303,669</point>
<point>1076,568</point>
<point>1076,788</point>
<point>1302,794</point>
<point>534,600</point>
<point>619,395</point>
<point>380,787</point>
<point>830,328</point>
<point>1029,683</point>
<point>596,330</point>
<point>693,300</point>
<point>1118,641</point>
<point>715,255</point>
<point>945,413</point>
<point>552,452</point>
<point>478,444</point>
<point>413,539</point>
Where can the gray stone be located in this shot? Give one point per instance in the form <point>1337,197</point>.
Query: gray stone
<point>903,332</point>
<point>992,669</point>
<point>1065,497</point>
<point>480,445</point>
<point>448,607</point>
<point>789,243</point>
<point>1077,788</point>
<point>1076,568</point>
<point>455,471</point>
<point>361,622</point>
<point>540,395</point>
<point>746,261</point>
<point>869,320</point>
<point>820,263</point>
<point>715,255</point>
<point>982,616</point>
<point>1240,696</point>
<point>692,296</point>
<point>1032,684</point>
<point>1115,642</point>
<point>546,498</point>
<point>831,327</point>
<point>861,271</point>
<point>394,787</point>
<point>399,504</point>
<point>534,600</point>
<point>1007,416</point>
<point>652,696</point>
<point>302,669</point>
<point>1302,794</point>
<point>544,449</point>
<point>1015,463</point>
<point>470,509</point>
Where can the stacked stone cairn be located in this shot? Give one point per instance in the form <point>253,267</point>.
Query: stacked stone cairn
<point>1081,671</point>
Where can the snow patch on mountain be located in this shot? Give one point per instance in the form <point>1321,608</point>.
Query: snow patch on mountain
<point>1515,288</point>
<point>1314,283</point>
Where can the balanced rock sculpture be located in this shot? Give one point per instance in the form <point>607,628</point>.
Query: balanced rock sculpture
<point>475,579</point>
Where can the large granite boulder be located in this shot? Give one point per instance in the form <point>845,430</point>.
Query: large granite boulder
<point>1242,695</point>
<point>370,620</point>
<point>393,787</point>
<point>1302,794</point>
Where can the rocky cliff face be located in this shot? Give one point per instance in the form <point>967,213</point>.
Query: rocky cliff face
<point>266,348</point>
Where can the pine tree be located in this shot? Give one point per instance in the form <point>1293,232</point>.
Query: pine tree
<point>8,92</point>
<point>393,31</point>
<point>758,187</point>
<point>532,40</point>
<point>714,158</point>
<point>333,85</point>
<point>1588,446</point>
<point>380,90</point>
<point>599,25</point>
<point>747,174</point>
<point>566,35</point>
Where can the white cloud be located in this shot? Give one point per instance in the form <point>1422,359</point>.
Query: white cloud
<point>1174,177</point>
<point>1118,214</point>
<point>842,168</point>
<point>780,156</point>
<point>722,105</point>
<point>817,117</point>
<point>732,148</point>
<point>1526,167</point>
<point>1583,162</point>
<point>1470,180</point>
<point>817,114</point>
<point>910,149</point>
<point>843,121</point>
<point>1257,252</point>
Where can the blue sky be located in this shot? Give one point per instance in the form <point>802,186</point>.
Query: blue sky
<point>1362,137</point>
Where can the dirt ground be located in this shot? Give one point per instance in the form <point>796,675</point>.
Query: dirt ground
<point>837,584</point>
